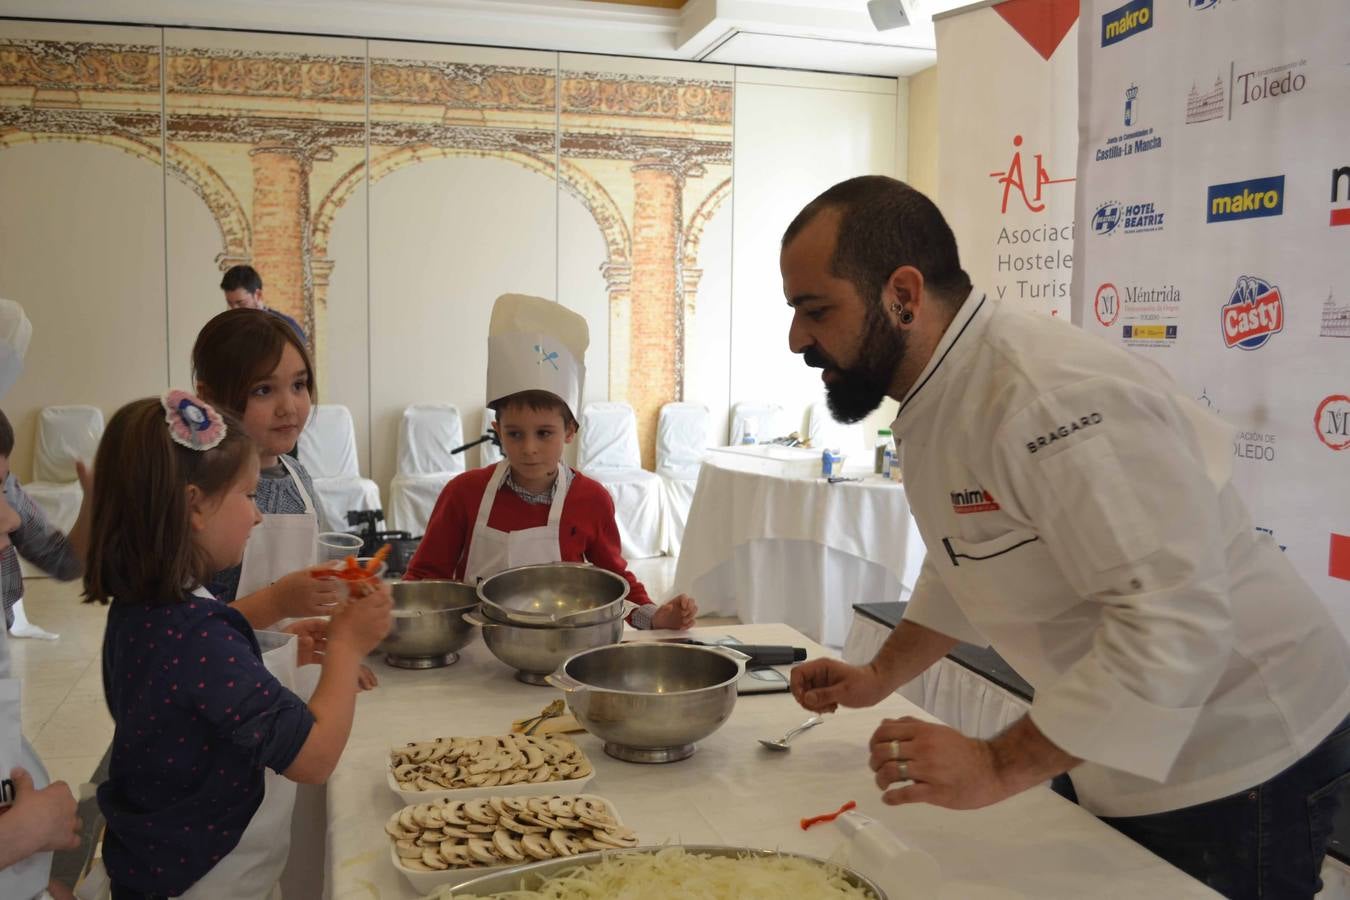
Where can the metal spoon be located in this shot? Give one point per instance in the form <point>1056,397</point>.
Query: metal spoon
<point>782,743</point>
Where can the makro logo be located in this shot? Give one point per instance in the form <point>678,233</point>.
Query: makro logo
<point>1254,312</point>
<point>1107,304</point>
<point>1254,199</point>
<point>1340,179</point>
<point>1127,21</point>
<point>1333,422</point>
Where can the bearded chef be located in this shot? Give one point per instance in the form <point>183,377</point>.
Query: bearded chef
<point>1080,518</point>
<point>531,508</point>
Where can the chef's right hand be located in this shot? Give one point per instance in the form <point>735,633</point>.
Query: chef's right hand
<point>300,595</point>
<point>48,814</point>
<point>362,623</point>
<point>823,685</point>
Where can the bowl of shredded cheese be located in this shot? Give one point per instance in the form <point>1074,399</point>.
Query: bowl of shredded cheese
<point>710,872</point>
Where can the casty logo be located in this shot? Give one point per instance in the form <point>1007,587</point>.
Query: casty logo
<point>1126,21</point>
<point>1013,180</point>
<point>1252,199</point>
<point>1254,312</point>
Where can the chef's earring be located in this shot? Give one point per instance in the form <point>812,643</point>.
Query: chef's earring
<point>906,317</point>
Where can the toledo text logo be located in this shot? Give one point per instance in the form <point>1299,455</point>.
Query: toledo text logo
<point>1127,143</point>
<point>1254,312</point>
<point>1107,304</point>
<point>1126,21</point>
<point>1013,179</point>
<point>1252,199</point>
<point>1340,178</point>
<point>1333,421</point>
<point>1267,84</point>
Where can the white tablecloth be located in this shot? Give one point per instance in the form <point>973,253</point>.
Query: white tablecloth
<point>773,548</point>
<point>1035,845</point>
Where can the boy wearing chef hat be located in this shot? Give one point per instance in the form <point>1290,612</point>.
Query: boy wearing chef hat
<point>531,508</point>
<point>36,817</point>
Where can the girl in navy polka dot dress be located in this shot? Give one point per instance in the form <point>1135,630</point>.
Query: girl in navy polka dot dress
<point>201,716</point>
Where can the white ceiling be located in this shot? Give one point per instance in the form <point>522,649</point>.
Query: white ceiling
<point>822,35</point>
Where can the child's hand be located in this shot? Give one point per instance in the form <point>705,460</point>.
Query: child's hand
<point>366,680</point>
<point>301,595</point>
<point>313,640</point>
<point>678,613</point>
<point>48,814</point>
<point>362,624</point>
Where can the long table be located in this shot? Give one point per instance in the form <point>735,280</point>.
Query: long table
<point>1034,845</point>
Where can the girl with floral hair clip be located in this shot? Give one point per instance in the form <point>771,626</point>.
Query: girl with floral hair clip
<point>209,736</point>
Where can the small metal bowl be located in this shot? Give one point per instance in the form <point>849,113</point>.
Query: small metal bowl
<point>536,651</point>
<point>651,702</point>
<point>553,594</point>
<point>530,875</point>
<point>429,626</point>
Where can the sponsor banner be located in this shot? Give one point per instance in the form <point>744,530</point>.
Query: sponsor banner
<point>1009,143</point>
<point>1245,300</point>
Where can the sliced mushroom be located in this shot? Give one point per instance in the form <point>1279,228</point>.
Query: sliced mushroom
<point>507,846</point>
<point>407,850</point>
<point>431,857</point>
<point>482,851</point>
<point>538,846</point>
<point>519,827</point>
<point>480,828</point>
<point>397,831</point>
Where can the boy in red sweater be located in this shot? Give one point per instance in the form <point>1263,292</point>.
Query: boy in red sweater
<point>531,508</point>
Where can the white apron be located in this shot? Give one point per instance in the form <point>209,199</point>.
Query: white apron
<point>251,870</point>
<point>492,551</point>
<point>28,877</point>
<point>280,544</point>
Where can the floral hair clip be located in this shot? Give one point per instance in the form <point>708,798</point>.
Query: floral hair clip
<point>192,422</point>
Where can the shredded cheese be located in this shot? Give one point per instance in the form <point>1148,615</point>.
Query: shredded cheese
<point>674,872</point>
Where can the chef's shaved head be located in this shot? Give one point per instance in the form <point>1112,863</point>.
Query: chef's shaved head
<point>885,224</point>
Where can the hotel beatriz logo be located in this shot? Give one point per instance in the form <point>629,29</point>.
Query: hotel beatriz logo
<point>1014,180</point>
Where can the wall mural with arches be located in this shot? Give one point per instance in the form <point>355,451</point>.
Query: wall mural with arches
<point>275,134</point>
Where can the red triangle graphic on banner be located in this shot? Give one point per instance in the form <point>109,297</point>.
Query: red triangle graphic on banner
<point>1041,23</point>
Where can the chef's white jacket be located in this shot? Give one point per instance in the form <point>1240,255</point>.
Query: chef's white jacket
<point>1080,518</point>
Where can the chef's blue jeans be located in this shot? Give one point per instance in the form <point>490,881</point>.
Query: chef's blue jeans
<point>1266,842</point>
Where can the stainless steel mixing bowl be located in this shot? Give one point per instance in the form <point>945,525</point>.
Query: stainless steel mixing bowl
<point>530,875</point>
<point>536,651</point>
<point>553,594</point>
<point>429,624</point>
<point>651,702</point>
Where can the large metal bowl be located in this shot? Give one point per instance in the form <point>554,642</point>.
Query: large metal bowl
<point>429,624</point>
<point>535,652</point>
<point>651,702</point>
<point>553,594</point>
<point>530,875</point>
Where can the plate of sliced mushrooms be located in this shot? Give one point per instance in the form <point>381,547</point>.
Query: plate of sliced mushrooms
<point>504,765</point>
<point>446,841</point>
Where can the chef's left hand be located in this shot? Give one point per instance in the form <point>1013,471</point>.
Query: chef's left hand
<point>943,766</point>
<point>677,613</point>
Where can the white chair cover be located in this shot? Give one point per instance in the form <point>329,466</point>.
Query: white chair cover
<point>769,419</point>
<point>488,453</point>
<point>64,434</point>
<point>682,441</point>
<point>427,434</point>
<point>824,432</point>
<point>608,452</point>
<point>328,452</point>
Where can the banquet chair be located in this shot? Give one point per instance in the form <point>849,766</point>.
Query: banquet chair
<point>65,434</point>
<point>608,452</point>
<point>681,446</point>
<point>488,452</point>
<point>328,451</point>
<point>427,434</point>
<point>765,421</point>
<point>823,431</point>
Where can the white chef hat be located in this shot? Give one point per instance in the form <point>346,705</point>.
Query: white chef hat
<point>536,345</point>
<point>15,333</point>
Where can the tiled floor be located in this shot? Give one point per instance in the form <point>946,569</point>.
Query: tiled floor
<point>64,715</point>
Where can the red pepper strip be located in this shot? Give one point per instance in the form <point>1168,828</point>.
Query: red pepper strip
<point>828,817</point>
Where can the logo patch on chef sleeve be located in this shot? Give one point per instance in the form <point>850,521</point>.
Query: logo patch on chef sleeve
<point>973,500</point>
<point>1045,440</point>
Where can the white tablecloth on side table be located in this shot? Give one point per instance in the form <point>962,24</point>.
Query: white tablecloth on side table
<point>775,548</point>
<point>1035,845</point>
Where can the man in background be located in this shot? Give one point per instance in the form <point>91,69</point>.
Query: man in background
<point>243,289</point>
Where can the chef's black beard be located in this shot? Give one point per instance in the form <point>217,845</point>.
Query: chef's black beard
<point>858,390</point>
